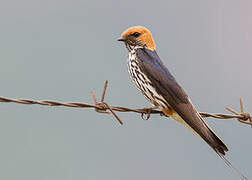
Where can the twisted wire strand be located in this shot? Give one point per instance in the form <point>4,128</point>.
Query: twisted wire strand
<point>103,107</point>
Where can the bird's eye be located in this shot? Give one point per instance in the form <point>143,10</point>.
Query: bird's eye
<point>136,34</point>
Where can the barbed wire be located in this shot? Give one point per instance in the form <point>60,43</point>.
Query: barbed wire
<point>103,107</point>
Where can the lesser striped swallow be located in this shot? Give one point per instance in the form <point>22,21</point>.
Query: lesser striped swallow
<point>159,86</point>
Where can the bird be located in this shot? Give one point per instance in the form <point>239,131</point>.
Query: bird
<point>159,86</point>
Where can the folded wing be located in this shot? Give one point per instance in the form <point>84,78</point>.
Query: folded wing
<point>176,97</point>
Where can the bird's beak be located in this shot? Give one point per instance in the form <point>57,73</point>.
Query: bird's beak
<point>121,39</point>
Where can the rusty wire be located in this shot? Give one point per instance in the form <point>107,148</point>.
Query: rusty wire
<point>103,107</point>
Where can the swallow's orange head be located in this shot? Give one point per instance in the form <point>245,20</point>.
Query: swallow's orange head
<point>137,36</point>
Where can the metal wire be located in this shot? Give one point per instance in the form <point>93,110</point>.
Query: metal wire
<point>103,107</point>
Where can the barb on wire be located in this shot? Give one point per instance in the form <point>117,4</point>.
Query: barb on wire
<point>104,107</point>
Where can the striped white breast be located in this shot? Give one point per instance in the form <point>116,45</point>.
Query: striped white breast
<point>143,83</point>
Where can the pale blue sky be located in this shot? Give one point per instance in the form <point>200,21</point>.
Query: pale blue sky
<point>61,50</point>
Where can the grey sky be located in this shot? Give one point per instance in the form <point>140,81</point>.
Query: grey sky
<point>61,50</point>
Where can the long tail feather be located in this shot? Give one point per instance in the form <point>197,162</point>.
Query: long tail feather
<point>242,177</point>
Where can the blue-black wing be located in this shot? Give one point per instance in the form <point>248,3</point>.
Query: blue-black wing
<point>166,85</point>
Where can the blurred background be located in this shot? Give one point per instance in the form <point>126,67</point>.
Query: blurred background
<point>61,50</point>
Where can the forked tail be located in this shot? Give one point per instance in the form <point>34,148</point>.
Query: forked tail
<point>242,177</point>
